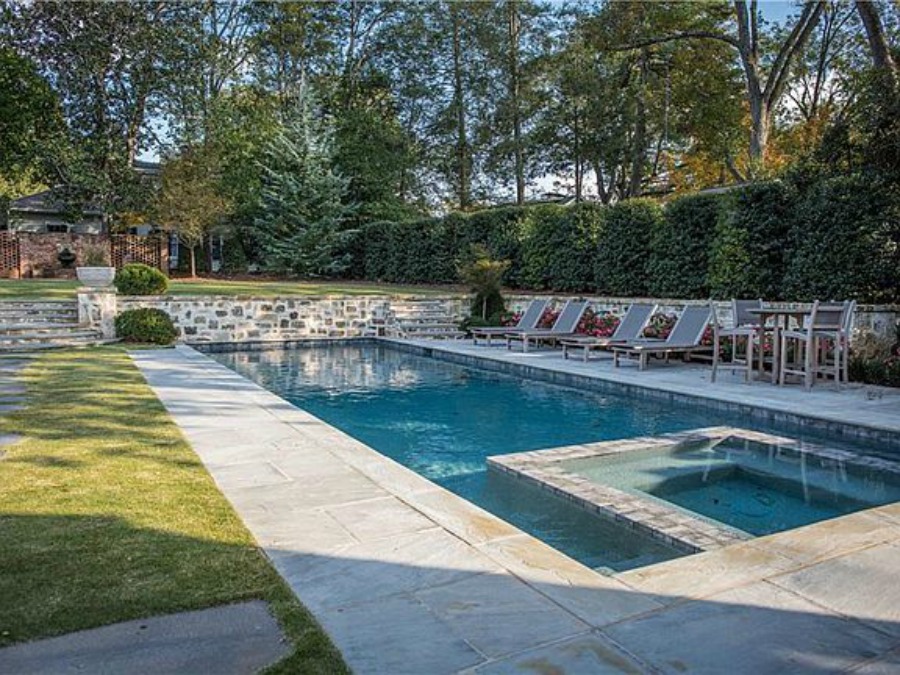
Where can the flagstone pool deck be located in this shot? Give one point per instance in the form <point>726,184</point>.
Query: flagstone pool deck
<point>409,578</point>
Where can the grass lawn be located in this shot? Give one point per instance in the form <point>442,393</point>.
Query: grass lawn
<point>106,514</point>
<point>64,289</point>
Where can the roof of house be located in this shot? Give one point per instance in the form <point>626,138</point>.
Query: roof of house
<point>146,168</point>
<point>45,202</point>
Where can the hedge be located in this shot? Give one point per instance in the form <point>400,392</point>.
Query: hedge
<point>559,246</point>
<point>751,244</point>
<point>836,238</point>
<point>623,248</point>
<point>679,258</point>
<point>846,242</point>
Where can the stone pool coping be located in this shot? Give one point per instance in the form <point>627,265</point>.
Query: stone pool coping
<point>407,577</point>
<point>677,527</point>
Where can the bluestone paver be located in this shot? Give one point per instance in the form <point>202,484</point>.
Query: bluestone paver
<point>235,639</point>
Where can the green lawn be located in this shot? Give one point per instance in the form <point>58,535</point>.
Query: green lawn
<point>106,514</point>
<point>64,289</point>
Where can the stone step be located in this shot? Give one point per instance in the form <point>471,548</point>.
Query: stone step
<point>35,328</point>
<point>429,325</point>
<point>75,343</point>
<point>32,337</point>
<point>37,304</point>
<point>433,334</point>
<point>23,317</point>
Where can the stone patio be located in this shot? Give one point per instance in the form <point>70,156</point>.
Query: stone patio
<point>408,578</point>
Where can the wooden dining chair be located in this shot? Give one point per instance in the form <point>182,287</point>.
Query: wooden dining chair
<point>825,323</point>
<point>838,356</point>
<point>744,330</point>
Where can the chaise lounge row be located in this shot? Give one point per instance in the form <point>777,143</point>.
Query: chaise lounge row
<point>817,346</point>
<point>625,342</point>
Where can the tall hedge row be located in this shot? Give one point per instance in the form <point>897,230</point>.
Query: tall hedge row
<point>750,246</point>
<point>621,265</point>
<point>836,238</point>
<point>682,239</point>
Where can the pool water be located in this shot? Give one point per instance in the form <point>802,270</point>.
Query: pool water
<point>443,420</point>
<point>758,488</point>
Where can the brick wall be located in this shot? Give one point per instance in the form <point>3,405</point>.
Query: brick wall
<point>38,253</point>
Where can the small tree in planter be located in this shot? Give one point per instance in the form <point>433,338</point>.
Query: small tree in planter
<point>484,275</point>
<point>95,270</point>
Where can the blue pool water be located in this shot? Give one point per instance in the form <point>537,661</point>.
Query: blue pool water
<point>443,420</point>
<point>755,487</point>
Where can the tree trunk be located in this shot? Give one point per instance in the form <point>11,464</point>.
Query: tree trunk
<point>881,51</point>
<point>462,149</point>
<point>639,140</point>
<point>514,94</point>
<point>193,262</point>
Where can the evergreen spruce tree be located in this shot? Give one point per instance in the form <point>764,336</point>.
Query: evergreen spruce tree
<point>300,226</point>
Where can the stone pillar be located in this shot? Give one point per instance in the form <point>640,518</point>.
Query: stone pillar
<point>97,309</point>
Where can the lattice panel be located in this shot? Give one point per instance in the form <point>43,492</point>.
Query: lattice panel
<point>9,253</point>
<point>133,248</point>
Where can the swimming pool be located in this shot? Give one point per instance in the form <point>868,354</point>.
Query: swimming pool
<point>443,420</point>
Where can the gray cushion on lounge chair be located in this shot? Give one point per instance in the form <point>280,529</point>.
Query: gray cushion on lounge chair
<point>633,322</point>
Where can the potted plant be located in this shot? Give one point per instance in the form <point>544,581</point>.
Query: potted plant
<point>94,271</point>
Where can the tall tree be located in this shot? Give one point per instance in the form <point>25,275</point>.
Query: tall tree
<point>302,214</point>
<point>765,79</point>
<point>882,56</point>
<point>190,202</point>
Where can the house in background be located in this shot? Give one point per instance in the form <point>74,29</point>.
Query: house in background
<point>42,213</point>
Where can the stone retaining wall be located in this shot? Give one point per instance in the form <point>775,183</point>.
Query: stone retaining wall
<point>236,319</point>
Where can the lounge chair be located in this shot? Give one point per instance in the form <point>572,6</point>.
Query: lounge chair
<point>527,321</point>
<point>629,328</point>
<point>685,338</point>
<point>565,326</point>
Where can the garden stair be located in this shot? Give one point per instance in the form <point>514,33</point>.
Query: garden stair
<point>31,325</point>
<point>416,319</point>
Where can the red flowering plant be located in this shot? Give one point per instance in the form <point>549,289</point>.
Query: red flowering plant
<point>659,326</point>
<point>548,318</point>
<point>510,318</point>
<point>709,337</point>
<point>598,324</point>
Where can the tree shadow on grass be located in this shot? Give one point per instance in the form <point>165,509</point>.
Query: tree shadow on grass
<point>64,573</point>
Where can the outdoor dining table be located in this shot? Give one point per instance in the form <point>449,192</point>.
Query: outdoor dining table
<point>781,319</point>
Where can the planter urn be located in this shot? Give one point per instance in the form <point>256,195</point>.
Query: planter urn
<point>96,277</point>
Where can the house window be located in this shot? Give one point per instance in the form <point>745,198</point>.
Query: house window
<point>57,228</point>
<point>173,251</point>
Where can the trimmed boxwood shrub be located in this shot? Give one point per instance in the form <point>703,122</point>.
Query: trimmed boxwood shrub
<point>146,324</point>
<point>558,247</point>
<point>679,259</point>
<point>846,242</point>
<point>139,279</point>
<point>752,242</point>
<point>624,246</point>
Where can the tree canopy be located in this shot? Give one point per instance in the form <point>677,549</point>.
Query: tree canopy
<point>443,105</point>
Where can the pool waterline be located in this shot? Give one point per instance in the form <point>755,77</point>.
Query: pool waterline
<point>443,420</point>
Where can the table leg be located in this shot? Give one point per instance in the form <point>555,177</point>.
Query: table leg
<point>776,353</point>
